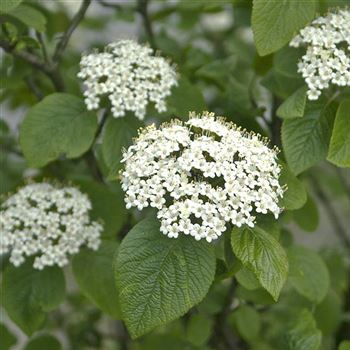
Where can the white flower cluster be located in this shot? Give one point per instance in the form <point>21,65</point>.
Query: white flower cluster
<point>327,59</point>
<point>201,175</point>
<point>130,75</point>
<point>48,222</point>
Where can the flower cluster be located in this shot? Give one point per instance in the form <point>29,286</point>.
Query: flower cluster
<point>201,175</point>
<point>130,75</point>
<point>48,222</point>
<point>327,59</point>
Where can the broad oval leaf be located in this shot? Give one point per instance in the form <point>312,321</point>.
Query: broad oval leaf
<point>247,279</point>
<point>30,16</point>
<point>159,278</point>
<point>247,322</point>
<point>275,23</point>
<point>93,271</point>
<point>294,105</point>
<point>57,125</point>
<point>305,140</point>
<point>261,253</point>
<point>328,314</point>
<point>107,204</point>
<point>303,333</point>
<point>307,217</point>
<point>186,97</point>
<point>43,341</point>
<point>308,274</point>
<point>339,147</point>
<point>117,134</point>
<point>295,195</point>
<point>8,5</point>
<point>199,329</point>
<point>27,294</point>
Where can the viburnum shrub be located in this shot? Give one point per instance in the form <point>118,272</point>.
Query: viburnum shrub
<point>163,167</point>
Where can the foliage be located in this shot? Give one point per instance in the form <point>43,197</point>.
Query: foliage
<point>253,288</point>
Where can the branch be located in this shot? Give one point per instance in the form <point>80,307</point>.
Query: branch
<point>36,62</point>
<point>108,4</point>
<point>62,44</point>
<point>142,8</point>
<point>222,331</point>
<point>338,229</point>
<point>43,46</point>
<point>89,157</point>
<point>30,58</point>
<point>33,87</point>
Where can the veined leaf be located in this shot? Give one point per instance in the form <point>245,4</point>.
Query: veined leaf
<point>158,278</point>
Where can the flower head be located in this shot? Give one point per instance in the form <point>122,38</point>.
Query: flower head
<point>130,75</point>
<point>201,175</point>
<point>48,222</point>
<point>327,58</point>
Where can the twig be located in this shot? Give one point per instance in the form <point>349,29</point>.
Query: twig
<point>89,157</point>
<point>222,331</point>
<point>30,58</point>
<point>108,4</point>
<point>33,87</point>
<point>90,161</point>
<point>61,45</point>
<point>50,70</point>
<point>43,46</point>
<point>142,8</point>
<point>101,124</point>
<point>338,229</point>
<point>275,124</point>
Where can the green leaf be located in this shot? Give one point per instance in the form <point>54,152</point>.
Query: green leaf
<point>8,5</point>
<point>27,294</point>
<point>158,278</point>
<point>344,345</point>
<point>303,333</point>
<point>43,341</point>
<point>257,296</point>
<point>269,224</point>
<point>337,267</point>
<point>307,217</point>
<point>107,205</point>
<point>293,106</point>
<point>238,96</point>
<point>186,97</point>
<point>263,255</point>
<point>218,70</point>
<point>339,147</point>
<point>308,274</point>
<point>93,271</point>
<point>58,125</point>
<point>30,16</point>
<point>328,313</point>
<point>305,139</point>
<point>199,329</point>
<point>275,23</point>
<point>7,338</point>
<point>295,196</point>
<point>118,134</point>
<point>247,279</point>
<point>247,322</point>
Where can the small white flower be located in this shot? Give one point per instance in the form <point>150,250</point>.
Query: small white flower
<point>129,75</point>
<point>327,59</point>
<point>48,222</point>
<point>201,175</point>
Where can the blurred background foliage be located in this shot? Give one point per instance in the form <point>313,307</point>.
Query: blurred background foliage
<point>211,42</point>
